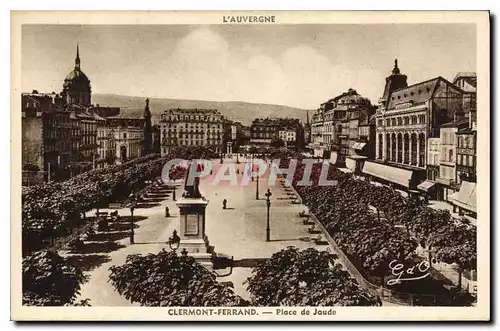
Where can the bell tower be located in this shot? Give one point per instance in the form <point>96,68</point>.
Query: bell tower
<point>394,82</point>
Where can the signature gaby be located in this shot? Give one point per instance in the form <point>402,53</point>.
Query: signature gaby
<point>397,269</point>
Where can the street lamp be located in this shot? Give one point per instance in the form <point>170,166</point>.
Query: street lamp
<point>174,241</point>
<point>132,207</point>
<point>257,187</point>
<point>268,202</point>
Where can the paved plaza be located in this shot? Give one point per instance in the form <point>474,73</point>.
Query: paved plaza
<point>239,231</point>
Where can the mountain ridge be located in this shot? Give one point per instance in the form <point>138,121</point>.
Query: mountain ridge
<point>241,111</point>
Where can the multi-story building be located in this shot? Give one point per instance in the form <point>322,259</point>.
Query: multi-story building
<point>466,155</point>
<point>64,135</point>
<point>128,131</point>
<point>88,143</point>
<point>407,116</point>
<point>106,145</point>
<point>46,145</point>
<point>191,127</point>
<point>342,129</point>
<point>245,135</point>
<point>446,182</point>
<point>263,131</point>
<point>433,153</point>
<point>289,136</point>
<point>465,198</point>
<point>232,136</point>
<point>317,127</point>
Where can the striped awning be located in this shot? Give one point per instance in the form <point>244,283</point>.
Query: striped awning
<point>359,146</point>
<point>392,174</point>
<point>426,185</point>
<point>466,197</point>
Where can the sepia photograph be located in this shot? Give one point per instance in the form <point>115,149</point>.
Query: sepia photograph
<point>250,166</point>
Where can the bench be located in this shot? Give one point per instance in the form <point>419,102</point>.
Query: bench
<point>319,240</point>
<point>313,230</point>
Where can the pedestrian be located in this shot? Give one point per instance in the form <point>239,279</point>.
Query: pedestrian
<point>224,204</point>
<point>167,211</point>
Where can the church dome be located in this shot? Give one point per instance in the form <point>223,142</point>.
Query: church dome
<point>76,80</point>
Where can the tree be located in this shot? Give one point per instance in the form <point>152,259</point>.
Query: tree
<point>49,280</point>
<point>165,279</point>
<point>304,278</point>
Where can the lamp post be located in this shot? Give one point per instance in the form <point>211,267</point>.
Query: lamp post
<point>268,203</point>
<point>257,187</point>
<point>174,241</point>
<point>132,207</point>
<point>251,166</point>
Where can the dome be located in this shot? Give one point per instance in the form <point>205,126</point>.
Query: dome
<point>351,97</point>
<point>77,79</point>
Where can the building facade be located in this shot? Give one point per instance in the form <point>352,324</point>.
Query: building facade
<point>191,127</point>
<point>64,135</point>
<point>407,117</point>
<point>342,128</point>
<point>265,130</point>
<point>466,155</point>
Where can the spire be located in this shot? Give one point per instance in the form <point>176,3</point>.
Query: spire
<point>147,112</point>
<point>77,59</point>
<point>395,71</point>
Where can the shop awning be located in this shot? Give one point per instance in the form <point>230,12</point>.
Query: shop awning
<point>359,146</point>
<point>333,158</point>
<point>392,174</point>
<point>350,163</point>
<point>426,185</point>
<point>466,197</point>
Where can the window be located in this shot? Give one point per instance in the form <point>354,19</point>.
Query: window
<point>470,160</point>
<point>436,162</point>
<point>450,155</point>
<point>124,136</point>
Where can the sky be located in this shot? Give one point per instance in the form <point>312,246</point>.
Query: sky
<point>294,65</point>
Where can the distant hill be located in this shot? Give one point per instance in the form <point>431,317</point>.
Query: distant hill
<point>243,112</point>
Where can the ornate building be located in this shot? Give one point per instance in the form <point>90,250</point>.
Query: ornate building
<point>191,127</point>
<point>407,116</point>
<point>76,87</point>
<point>341,129</point>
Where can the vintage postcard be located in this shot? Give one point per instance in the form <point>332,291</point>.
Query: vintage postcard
<point>250,166</point>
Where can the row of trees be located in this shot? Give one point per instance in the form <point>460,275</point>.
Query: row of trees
<point>55,209</point>
<point>373,239</point>
<point>289,278</point>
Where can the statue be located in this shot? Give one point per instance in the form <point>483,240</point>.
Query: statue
<point>193,190</point>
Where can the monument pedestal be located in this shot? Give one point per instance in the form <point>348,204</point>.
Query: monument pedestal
<point>192,230</point>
